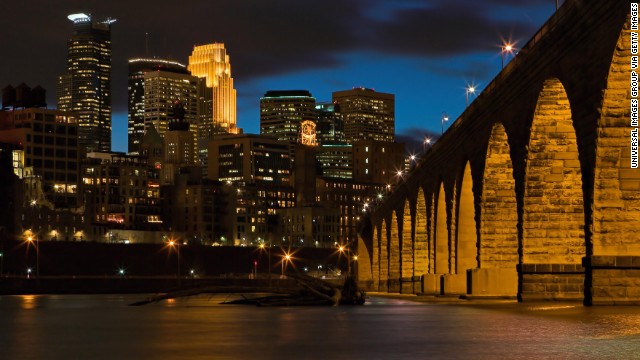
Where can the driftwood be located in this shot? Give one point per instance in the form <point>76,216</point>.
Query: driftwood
<point>310,291</point>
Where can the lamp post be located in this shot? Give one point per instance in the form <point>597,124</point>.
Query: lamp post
<point>345,250</point>
<point>469,90</point>
<point>34,240</point>
<point>355,263</point>
<point>444,118</point>
<point>285,258</point>
<point>427,141</point>
<point>172,244</point>
<point>506,48</point>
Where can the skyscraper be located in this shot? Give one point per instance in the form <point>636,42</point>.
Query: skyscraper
<point>136,117</point>
<point>367,114</point>
<point>162,90</point>
<point>282,112</point>
<point>212,63</point>
<point>85,87</point>
<point>330,127</point>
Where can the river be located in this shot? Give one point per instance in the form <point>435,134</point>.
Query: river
<point>104,327</point>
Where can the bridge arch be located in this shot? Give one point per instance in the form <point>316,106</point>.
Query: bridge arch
<point>384,255</point>
<point>394,253</point>
<point>553,222</point>
<point>441,244</point>
<point>363,267</point>
<point>406,249</point>
<point>616,200</point>
<point>466,235</point>
<point>421,245</point>
<point>375,254</point>
<point>498,246</point>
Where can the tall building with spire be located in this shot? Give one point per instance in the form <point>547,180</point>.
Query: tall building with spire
<point>85,88</point>
<point>219,115</point>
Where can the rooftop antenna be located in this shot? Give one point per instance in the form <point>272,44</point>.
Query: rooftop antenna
<point>146,44</point>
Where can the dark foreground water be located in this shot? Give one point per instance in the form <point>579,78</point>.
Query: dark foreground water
<point>104,327</point>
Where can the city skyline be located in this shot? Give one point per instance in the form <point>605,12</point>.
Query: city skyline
<point>388,47</point>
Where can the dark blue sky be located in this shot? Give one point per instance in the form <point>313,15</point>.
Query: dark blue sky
<point>425,52</point>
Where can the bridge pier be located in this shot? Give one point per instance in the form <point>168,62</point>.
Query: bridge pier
<point>431,284</point>
<point>394,285</point>
<point>454,284</point>
<point>406,285</point>
<point>493,282</point>
<point>615,280</point>
<point>383,285</point>
<point>551,282</point>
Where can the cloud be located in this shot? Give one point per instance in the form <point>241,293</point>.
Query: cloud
<point>263,38</point>
<point>445,30</point>
<point>413,138</point>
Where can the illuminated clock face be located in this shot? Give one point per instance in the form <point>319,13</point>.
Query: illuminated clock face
<point>308,133</point>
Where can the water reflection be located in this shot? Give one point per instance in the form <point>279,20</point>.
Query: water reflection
<point>28,301</point>
<point>104,327</point>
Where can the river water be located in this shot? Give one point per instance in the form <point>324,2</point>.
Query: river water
<point>104,327</point>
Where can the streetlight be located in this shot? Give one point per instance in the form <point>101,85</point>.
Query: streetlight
<point>345,250</point>
<point>444,118</point>
<point>469,90</point>
<point>355,263</point>
<point>285,258</point>
<point>31,239</point>
<point>174,244</point>
<point>427,141</point>
<point>506,48</point>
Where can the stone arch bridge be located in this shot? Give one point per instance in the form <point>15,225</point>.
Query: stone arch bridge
<point>530,192</point>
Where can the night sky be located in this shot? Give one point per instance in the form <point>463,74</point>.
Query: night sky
<point>425,52</point>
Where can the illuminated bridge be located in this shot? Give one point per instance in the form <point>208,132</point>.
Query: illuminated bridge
<point>530,193</point>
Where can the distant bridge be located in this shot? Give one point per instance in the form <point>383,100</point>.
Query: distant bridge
<point>530,193</point>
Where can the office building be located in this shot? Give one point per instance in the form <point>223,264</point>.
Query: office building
<point>258,168</point>
<point>311,226</point>
<point>249,158</point>
<point>212,63</point>
<point>282,113</point>
<point>121,192</point>
<point>329,124</point>
<point>85,87</point>
<point>179,146</point>
<point>366,114</point>
<point>378,162</point>
<point>199,209</point>
<point>166,89</point>
<point>335,160</point>
<point>49,142</point>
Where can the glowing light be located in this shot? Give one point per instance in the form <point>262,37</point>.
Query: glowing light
<point>79,17</point>
<point>157,61</point>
